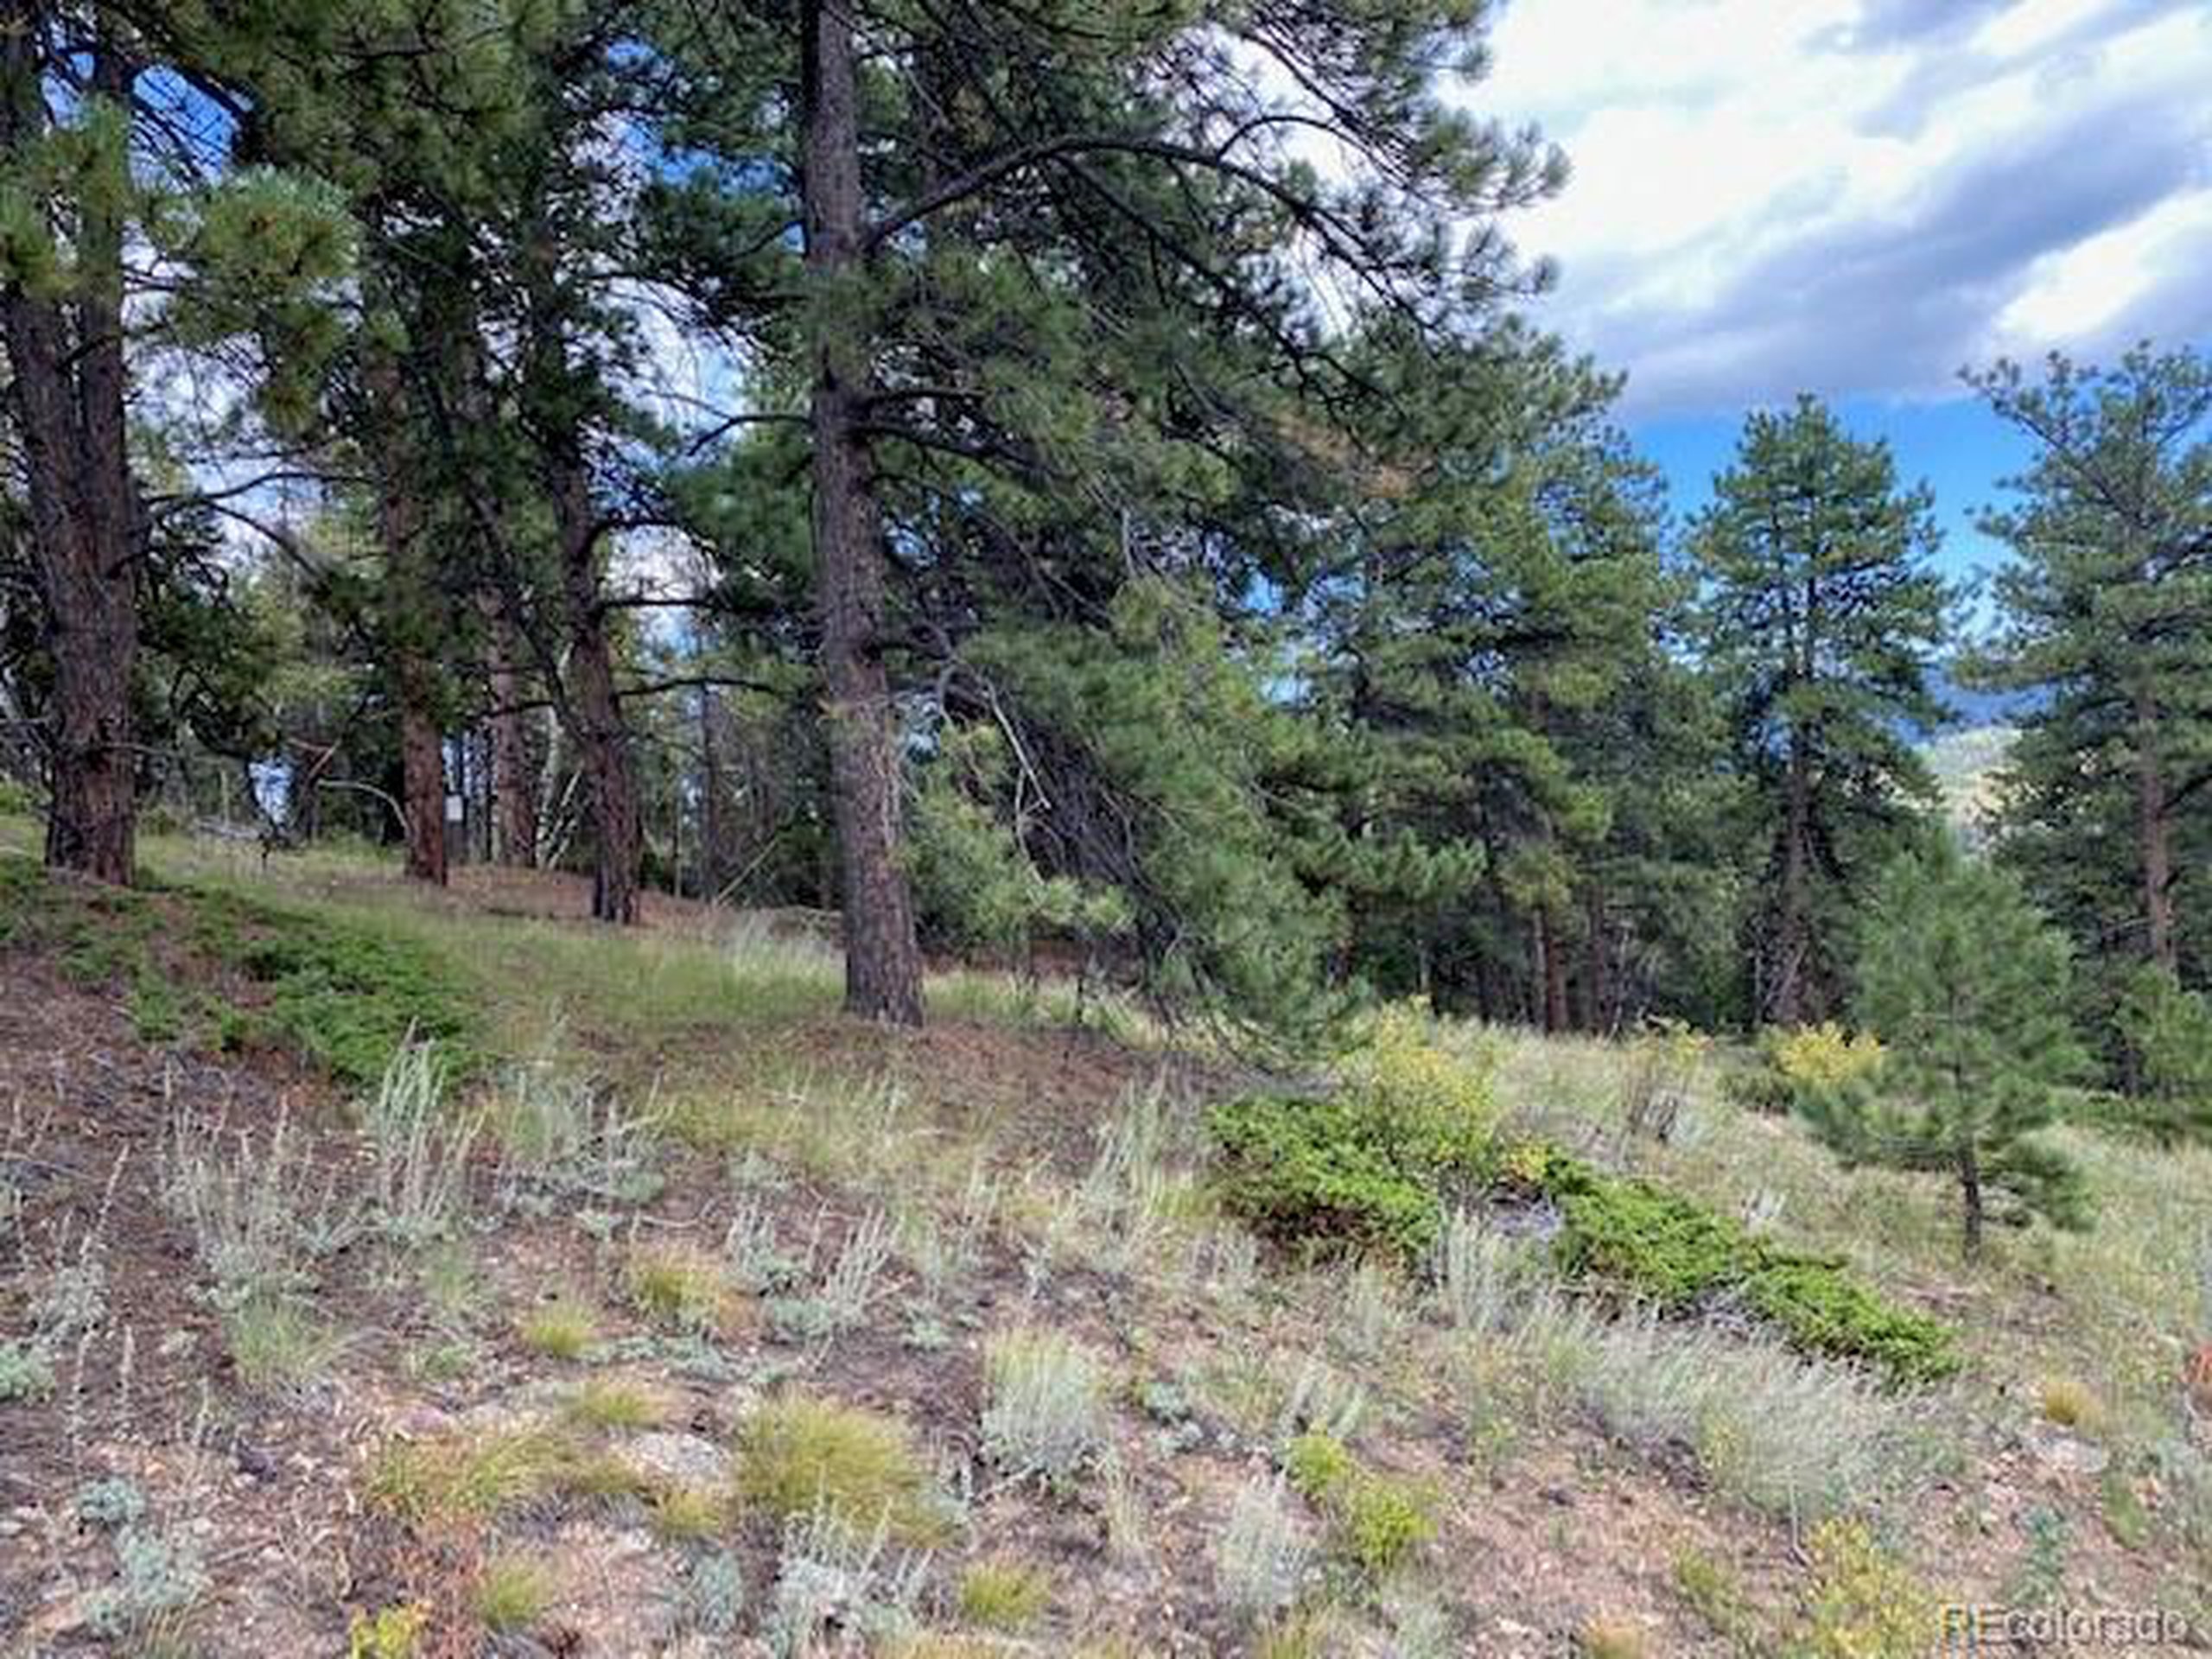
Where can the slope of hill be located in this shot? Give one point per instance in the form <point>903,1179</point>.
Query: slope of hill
<point>684,1315</point>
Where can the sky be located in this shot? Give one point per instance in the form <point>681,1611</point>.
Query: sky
<point>1858,198</point>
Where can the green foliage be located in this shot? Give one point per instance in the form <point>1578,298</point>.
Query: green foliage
<point>1667,1250</point>
<point>511,1593</point>
<point>1367,1167</point>
<point>26,1372</point>
<point>1863,1602</point>
<point>1164,724</point>
<point>1968,988</point>
<point>1003,1595</point>
<point>344,995</point>
<point>797,1455</point>
<point>2167,1034</point>
<point>1798,1063</point>
<point>1820,614</point>
<point>393,1632</point>
<point>1375,1522</point>
<point>973,876</point>
<point>2105,622</point>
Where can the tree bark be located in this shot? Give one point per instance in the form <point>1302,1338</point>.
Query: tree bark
<point>1551,962</point>
<point>410,624</point>
<point>713,826</point>
<point>1598,974</point>
<point>1970,1196</point>
<point>883,963</point>
<point>602,738</point>
<point>514,787</point>
<point>1792,931</point>
<point>2154,839</point>
<point>68,400</point>
<point>422,777</point>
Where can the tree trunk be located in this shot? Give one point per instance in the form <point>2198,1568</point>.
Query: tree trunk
<point>422,777</point>
<point>1970,1196</point>
<point>1597,970</point>
<point>713,826</point>
<point>514,789</point>
<point>603,739</point>
<point>410,623</point>
<point>1552,971</point>
<point>2153,831</point>
<point>67,400</point>
<point>883,962</point>
<point>1792,929</point>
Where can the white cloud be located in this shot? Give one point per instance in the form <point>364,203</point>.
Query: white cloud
<point>1860,195</point>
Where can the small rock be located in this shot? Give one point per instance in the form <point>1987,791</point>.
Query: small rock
<point>683,1459</point>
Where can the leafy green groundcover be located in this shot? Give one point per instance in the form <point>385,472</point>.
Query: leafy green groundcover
<point>336,991</point>
<point>1321,1176</point>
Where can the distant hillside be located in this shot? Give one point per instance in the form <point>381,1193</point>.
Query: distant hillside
<point>1966,763</point>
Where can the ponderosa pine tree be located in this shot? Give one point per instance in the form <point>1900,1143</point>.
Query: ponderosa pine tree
<point>94,179</point>
<point>1080,211</point>
<point>2106,626</point>
<point>1494,585</point>
<point>1819,617</point>
<point>1966,986</point>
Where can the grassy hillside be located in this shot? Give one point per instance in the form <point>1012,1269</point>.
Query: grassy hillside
<point>656,1308</point>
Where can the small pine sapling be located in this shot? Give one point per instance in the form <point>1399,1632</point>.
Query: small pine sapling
<point>1966,986</point>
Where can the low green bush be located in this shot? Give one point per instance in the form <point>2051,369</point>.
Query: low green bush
<point>1375,1523</point>
<point>1371,1169</point>
<point>1671,1251</point>
<point>344,996</point>
<point>1365,1168</point>
<point>1310,1175</point>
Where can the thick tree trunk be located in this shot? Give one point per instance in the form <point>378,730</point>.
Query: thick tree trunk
<point>67,397</point>
<point>1551,960</point>
<point>409,625</point>
<point>422,777</point>
<point>1792,926</point>
<point>2154,839</point>
<point>603,739</point>
<point>514,787</point>
<point>883,962</point>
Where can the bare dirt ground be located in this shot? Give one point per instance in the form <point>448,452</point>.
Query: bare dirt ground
<point>156,1497</point>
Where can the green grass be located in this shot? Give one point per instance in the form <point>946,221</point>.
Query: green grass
<point>1003,1595</point>
<point>796,1454</point>
<point>684,1289</point>
<point>559,1329</point>
<point>608,1403</point>
<point>512,1594</point>
<point>466,1477</point>
<point>343,992</point>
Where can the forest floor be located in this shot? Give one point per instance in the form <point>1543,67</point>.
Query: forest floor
<point>687,1316</point>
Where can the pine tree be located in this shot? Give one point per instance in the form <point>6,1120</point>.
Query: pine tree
<point>1819,616</point>
<point>2165,1036</point>
<point>1966,985</point>
<point>97,179</point>
<point>2107,626</point>
<point>1059,287</point>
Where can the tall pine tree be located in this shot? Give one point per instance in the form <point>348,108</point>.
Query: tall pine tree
<point>1820,615</point>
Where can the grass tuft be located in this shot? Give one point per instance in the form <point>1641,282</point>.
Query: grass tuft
<point>685,1290</point>
<point>797,1455</point>
<point>511,1594</point>
<point>1006,1596</point>
<point>562,1329</point>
